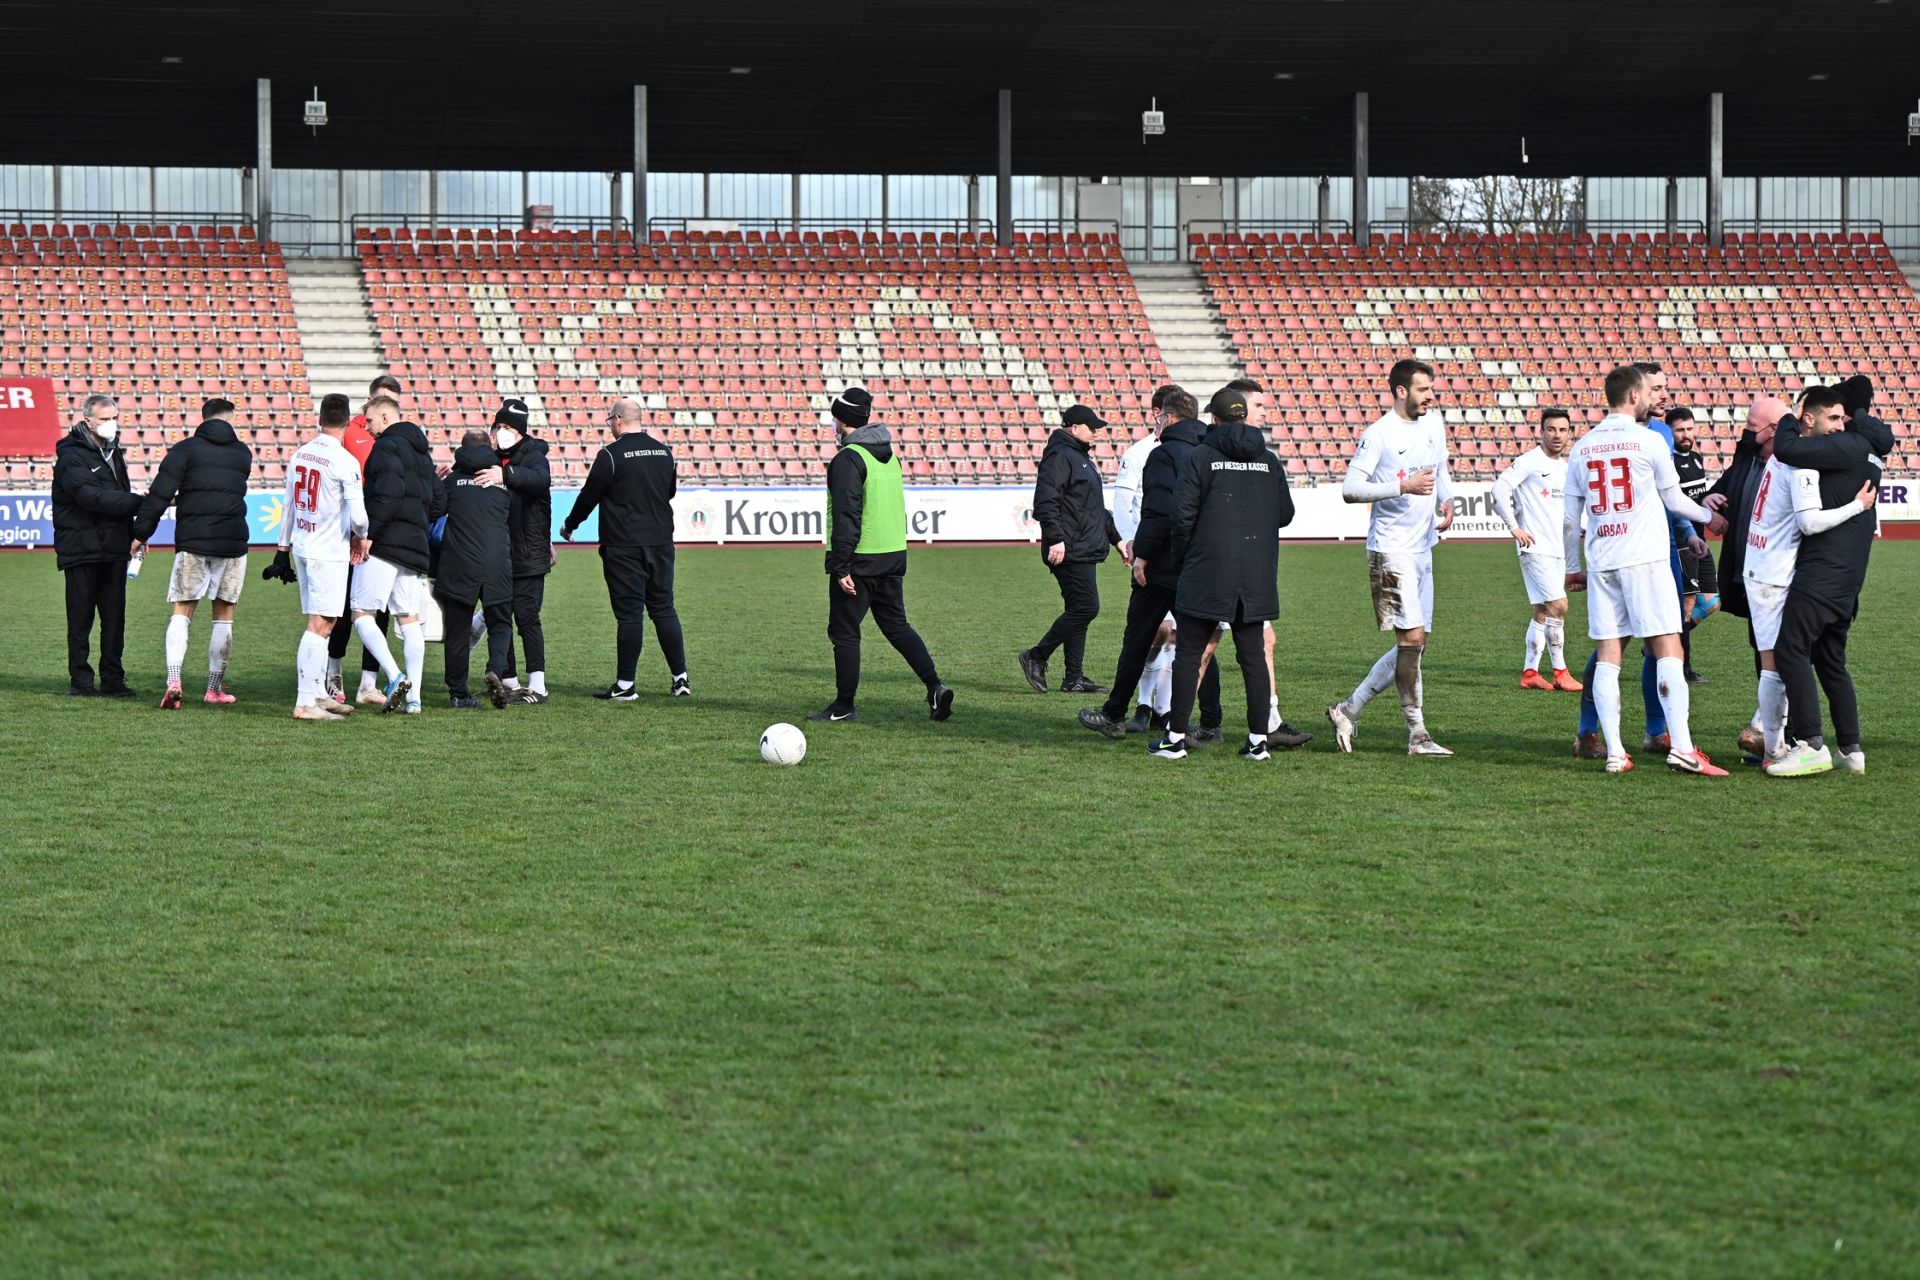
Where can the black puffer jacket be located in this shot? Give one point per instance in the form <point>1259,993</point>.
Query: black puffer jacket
<point>204,479</point>
<point>476,561</point>
<point>93,502</point>
<point>1159,479</point>
<point>530,481</point>
<point>1069,503</point>
<point>1228,512</point>
<point>1832,566</point>
<point>404,497</point>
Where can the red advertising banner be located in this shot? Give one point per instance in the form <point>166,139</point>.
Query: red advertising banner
<point>29,417</point>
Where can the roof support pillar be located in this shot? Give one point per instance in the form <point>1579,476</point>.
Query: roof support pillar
<point>640,163</point>
<point>1716,165</point>
<point>1003,190</point>
<point>263,166</point>
<point>1361,227</point>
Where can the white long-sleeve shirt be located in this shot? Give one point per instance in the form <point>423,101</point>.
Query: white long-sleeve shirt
<point>1126,485</point>
<point>1621,482</point>
<point>1390,449</point>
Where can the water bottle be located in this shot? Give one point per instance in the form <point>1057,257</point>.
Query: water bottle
<point>134,562</point>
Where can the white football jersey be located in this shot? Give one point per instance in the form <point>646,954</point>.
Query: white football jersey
<point>324,500</point>
<point>1390,450</point>
<point>1539,488</point>
<point>1773,535</point>
<point>1614,478</point>
<point>1126,485</point>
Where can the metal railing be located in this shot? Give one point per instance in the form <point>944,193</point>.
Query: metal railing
<point>73,219</point>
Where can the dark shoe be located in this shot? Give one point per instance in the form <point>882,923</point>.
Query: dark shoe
<point>527,698</point>
<point>681,689</point>
<point>1080,684</point>
<point>1033,669</point>
<point>1248,751</point>
<point>1654,742</point>
<point>1205,737</point>
<point>833,715</point>
<point>1588,746</point>
<point>1694,677</point>
<point>117,691</point>
<point>1142,719</point>
<point>1286,737</point>
<point>939,702</point>
<point>463,702</point>
<point>1167,749</point>
<point>614,693</point>
<point>1096,719</point>
<point>82,691</point>
<point>496,692</point>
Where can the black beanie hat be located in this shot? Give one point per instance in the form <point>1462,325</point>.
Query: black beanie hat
<point>514,414</point>
<point>853,407</point>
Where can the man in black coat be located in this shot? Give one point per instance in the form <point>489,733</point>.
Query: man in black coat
<point>404,497</point>
<point>1155,571</point>
<point>1828,573</point>
<point>475,563</point>
<point>632,483</point>
<point>204,479</point>
<point>523,467</point>
<point>1075,531</point>
<point>1230,506</point>
<point>93,509</point>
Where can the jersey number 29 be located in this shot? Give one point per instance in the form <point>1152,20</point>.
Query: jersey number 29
<point>306,488</point>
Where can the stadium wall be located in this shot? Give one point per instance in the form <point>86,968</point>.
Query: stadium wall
<point>935,513</point>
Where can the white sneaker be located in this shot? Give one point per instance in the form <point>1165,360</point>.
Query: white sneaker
<point>370,697</point>
<point>316,710</point>
<point>1852,761</point>
<point>1343,726</point>
<point>413,707</point>
<point>1422,744</point>
<point>1799,761</point>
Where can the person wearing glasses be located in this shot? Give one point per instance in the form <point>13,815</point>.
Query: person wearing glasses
<point>632,483</point>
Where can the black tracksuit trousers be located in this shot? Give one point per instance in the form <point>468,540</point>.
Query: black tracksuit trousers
<point>1080,600</point>
<point>640,586</point>
<point>1813,643</point>
<point>96,589</point>
<point>457,640</point>
<point>1249,645</point>
<point>1146,607</point>
<point>885,596</point>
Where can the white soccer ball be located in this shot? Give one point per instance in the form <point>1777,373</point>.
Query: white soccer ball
<point>783,744</point>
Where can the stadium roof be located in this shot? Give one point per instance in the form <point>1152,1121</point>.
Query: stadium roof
<point>1599,87</point>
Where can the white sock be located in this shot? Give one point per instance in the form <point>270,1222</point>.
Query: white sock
<point>1256,740</point>
<point>367,680</point>
<point>1606,702</point>
<point>1773,712</point>
<point>623,685</point>
<point>1273,714</point>
<point>537,681</point>
<point>1415,714</point>
<point>1674,700</point>
<point>1162,695</point>
<point>310,668</point>
<point>1377,682</point>
<point>176,646</point>
<point>1536,641</point>
<point>413,643</point>
<point>369,632</point>
<point>512,682</point>
<point>219,652</point>
<point>333,667</point>
<point>1556,629</point>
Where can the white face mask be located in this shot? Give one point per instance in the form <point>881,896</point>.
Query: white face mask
<point>105,430</point>
<point>505,438</point>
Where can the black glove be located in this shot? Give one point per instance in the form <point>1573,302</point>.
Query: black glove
<point>566,532</point>
<point>281,568</point>
<point>1856,393</point>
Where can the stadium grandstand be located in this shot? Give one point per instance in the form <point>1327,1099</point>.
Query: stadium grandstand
<point>977,305</point>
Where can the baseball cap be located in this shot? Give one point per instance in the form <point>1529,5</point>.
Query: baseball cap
<point>1082,416</point>
<point>1228,405</point>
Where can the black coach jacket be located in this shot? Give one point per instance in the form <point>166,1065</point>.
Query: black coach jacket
<point>1159,479</point>
<point>1832,566</point>
<point>93,502</point>
<point>530,482</point>
<point>632,482</point>
<point>1230,506</point>
<point>476,556</point>
<point>1069,502</point>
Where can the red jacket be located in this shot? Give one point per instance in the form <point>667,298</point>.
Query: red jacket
<point>358,440</point>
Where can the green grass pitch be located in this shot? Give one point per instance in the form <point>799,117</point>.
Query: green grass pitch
<point>588,990</point>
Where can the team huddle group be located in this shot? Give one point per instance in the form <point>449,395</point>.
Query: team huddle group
<point>1198,509</point>
<point>368,522</point>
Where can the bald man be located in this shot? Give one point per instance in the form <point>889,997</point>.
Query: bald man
<point>632,482</point>
<point>1731,499</point>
